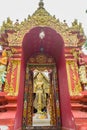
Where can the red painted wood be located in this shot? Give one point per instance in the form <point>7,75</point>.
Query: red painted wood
<point>53,45</point>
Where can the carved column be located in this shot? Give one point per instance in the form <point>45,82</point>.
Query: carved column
<point>28,99</point>
<point>13,75</point>
<point>73,77</point>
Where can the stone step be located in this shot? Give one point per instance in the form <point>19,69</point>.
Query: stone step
<point>3,100</point>
<point>7,118</point>
<point>11,99</point>
<point>76,106</point>
<point>81,127</point>
<point>7,107</point>
<point>79,110</point>
<point>2,108</point>
<point>7,121</point>
<point>80,121</point>
<point>11,106</point>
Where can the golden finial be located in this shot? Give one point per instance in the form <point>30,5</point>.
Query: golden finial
<point>41,4</point>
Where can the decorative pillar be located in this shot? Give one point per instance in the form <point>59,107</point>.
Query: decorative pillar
<point>73,77</point>
<point>13,75</point>
<point>28,99</point>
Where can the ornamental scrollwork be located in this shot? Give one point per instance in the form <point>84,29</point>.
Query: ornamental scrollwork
<point>43,19</point>
<point>73,82</point>
<point>83,75</point>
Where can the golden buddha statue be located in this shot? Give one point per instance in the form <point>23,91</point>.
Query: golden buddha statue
<point>41,90</point>
<point>3,63</point>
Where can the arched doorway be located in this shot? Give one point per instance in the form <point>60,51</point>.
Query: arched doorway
<point>41,103</point>
<point>48,41</point>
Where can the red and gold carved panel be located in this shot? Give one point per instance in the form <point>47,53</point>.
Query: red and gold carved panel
<point>12,78</point>
<point>73,78</point>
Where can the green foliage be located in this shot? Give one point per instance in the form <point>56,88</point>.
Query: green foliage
<point>85,45</point>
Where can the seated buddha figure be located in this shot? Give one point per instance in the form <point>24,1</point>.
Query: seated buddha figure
<point>41,90</point>
<point>3,63</point>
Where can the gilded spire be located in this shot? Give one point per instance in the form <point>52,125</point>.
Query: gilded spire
<point>41,4</point>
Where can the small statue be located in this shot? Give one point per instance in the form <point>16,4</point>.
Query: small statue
<point>3,63</point>
<point>41,91</point>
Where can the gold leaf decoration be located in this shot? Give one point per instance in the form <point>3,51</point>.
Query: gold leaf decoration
<point>43,19</point>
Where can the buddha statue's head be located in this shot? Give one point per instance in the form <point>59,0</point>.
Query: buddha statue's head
<point>40,76</point>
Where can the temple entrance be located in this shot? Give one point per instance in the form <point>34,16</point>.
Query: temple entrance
<point>41,103</point>
<point>44,40</point>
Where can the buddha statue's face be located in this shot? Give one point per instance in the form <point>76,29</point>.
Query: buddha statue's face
<point>40,77</point>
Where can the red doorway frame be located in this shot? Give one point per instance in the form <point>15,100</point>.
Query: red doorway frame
<point>53,45</point>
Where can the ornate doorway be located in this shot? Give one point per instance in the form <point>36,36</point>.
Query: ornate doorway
<point>53,45</point>
<point>41,96</point>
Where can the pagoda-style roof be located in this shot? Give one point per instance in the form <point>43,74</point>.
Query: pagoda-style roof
<point>72,36</point>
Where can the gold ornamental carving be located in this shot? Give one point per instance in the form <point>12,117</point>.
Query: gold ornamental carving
<point>43,19</point>
<point>82,74</point>
<point>41,59</point>
<point>73,72</point>
<point>11,88</point>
